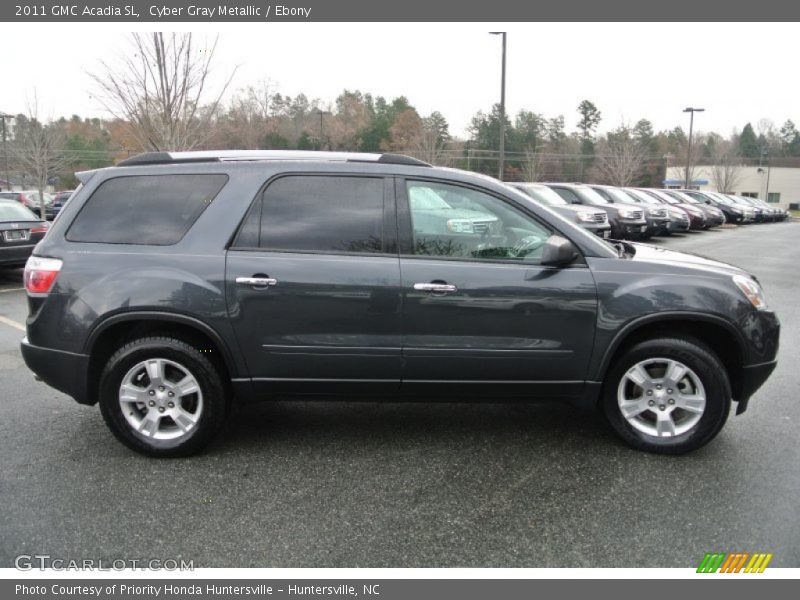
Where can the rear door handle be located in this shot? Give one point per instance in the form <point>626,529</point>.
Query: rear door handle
<point>257,281</point>
<point>441,288</point>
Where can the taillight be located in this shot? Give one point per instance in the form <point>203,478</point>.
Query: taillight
<point>41,229</point>
<point>40,274</point>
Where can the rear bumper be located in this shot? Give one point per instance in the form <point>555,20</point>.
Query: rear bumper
<point>65,371</point>
<point>16,255</point>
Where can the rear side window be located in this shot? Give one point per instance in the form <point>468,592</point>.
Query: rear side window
<point>327,214</point>
<point>155,210</point>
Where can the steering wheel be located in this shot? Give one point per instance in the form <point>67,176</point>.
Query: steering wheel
<point>526,245</point>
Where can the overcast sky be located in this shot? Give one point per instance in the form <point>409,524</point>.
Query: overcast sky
<point>737,72</point>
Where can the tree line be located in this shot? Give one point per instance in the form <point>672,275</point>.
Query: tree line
<point>159,99</point>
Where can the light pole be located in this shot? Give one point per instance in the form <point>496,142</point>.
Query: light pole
<point>764,156</point>
<point>691,112</point>
<point>320,113</point>
<point>501,168</point>
<point>4,116</point>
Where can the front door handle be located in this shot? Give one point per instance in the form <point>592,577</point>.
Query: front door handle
<point>441,288</point>
<point>257,281</point>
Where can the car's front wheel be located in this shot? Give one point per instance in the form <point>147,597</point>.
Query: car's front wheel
<point>161,397</point>
<point>667,395</point>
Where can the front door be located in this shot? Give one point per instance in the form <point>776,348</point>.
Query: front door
<point>313,285</point>
<point>478,306</point>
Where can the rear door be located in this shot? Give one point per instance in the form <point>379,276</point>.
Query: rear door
<point>313,285</point>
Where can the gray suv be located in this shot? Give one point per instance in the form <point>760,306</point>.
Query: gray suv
<point>174,285</point>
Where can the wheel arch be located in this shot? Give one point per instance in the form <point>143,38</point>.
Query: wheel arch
<point>116,330</point>
<point>715,332</point>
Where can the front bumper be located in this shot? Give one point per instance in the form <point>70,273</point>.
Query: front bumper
<point>602,230</point>
<point>624,229</point>
<point>678,225</point>
<point>65,371</point>
<point>752,378</point>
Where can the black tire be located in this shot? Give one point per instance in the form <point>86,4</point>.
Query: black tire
<point>215,399</point>
<point>705,364</point>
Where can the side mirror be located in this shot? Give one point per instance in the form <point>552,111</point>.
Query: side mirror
<point>558,252</point>
<point>708,201</point>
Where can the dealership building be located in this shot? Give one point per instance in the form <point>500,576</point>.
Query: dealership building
<point>778,185</point>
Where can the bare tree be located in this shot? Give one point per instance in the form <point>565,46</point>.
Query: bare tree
<point>38,149</point>
<point>726,172</point>
<point>620,158</point>
<point>533,164</point>
<point>431,145</point>
<point>159,89</point>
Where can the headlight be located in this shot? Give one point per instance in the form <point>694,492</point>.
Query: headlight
<point>627,213</point>
<point>751,290</point>
<point>460,226</point>
<point>585,216</point>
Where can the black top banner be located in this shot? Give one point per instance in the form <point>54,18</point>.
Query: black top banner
<point>147,11</point>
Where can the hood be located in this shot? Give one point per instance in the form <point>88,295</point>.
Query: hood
<point>631,206</point>
<point>655,254</point>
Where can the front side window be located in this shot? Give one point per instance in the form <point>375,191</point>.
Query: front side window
<point>327,214</point>
<point>154,210</point>
<point>449,221</point>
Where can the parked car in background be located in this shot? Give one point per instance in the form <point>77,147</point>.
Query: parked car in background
<point>627,220</point>
<point>678,218</point>
<point>20,231</point>
<point>714,216</point>
<point>697,218</point>
<point>59,200</point>
<point>175,284</point>
<point>657,215</point>
<point>29,199</point>
<point>762,215</point>
<point>733,212</point>
<point>595,220</point>
<point>751,214</point>
<point>657,219</point>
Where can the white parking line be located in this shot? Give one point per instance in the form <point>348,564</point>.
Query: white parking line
<point>11,323</point>
<point>11,290</point>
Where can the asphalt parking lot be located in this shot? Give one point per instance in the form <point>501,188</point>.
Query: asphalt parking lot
<point>315,484</point>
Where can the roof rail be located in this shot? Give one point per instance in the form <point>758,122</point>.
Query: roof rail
<point>163,158</point>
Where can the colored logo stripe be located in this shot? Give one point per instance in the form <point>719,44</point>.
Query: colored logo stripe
<point>758,563</point>
<point>734,562</point>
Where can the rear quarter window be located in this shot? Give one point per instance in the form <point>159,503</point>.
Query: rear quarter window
<point>153,210</point>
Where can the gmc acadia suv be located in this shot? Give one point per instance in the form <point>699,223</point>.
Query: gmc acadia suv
<point>174,284</point>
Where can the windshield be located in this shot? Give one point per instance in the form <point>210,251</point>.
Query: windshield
<point>690,197</point>
<point>722,199</point>
<point>642,196</point>
<point>424,198</point>
<point>617,195</point>
<point>14,211</point>
<point>543,194</point>
<point>682,198</point>
<point>590,196</point>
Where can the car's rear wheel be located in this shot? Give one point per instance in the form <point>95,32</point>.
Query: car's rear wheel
<point>162,397</point>
<point>667,395</point>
